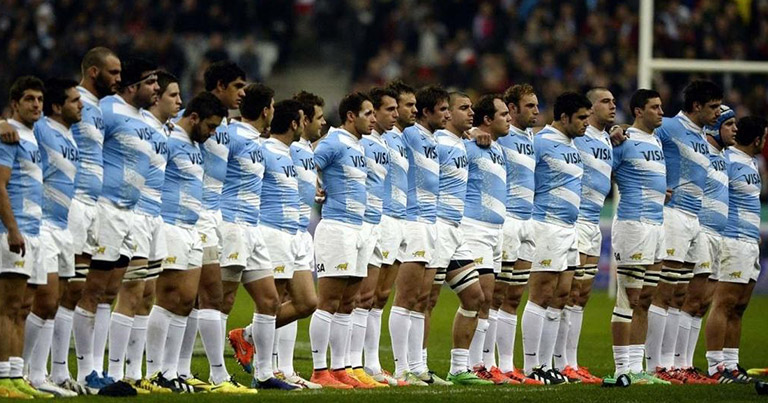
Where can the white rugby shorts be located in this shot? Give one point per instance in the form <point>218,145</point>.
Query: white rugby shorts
<point>637,243</point>
<point>518,240</point>
<point>556,247</point>
<point>337,247</point>
<point>56,251</point>
<point>184,248</point>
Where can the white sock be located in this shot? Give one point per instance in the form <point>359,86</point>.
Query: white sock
<point>157,332</point>
<point>415,343</point>
<point>39,359</point>
<point>575,317</point>
<point>32,328</point>
<point>715,358</point>
<point>359,324</point>
<point>549,335</point>
<point>224,318</point>
<point>670,338</point>
<point>657,321</point>
<point>731,358</point>
<point>209,323</point>
<point>339,339</point>
<point>681,345</point>
<point>82,323</point>
<point>693,338</point>
<point>173,346</point>
<point>119,335</point>
<point>372,339</point>
<point>134,354</point>
<point>533,324</point>
<point>100,334</point>
<point>275,354</point>
<point>636,353</point>
<point>560,357</point>
<point>248,333</point>
<point>5,369</point>
<point>264,335</point>
<point>477,344</point>
<point>347,354</point>
<point>62,335</point>
<point>424,355</point>
<point>459,359</point>
<point>505,340</point>
<point>621,360</point>
<point>319,335</point>
<point>286,342</point>
<point>489,346</point>
<point>184,368</point>
<point>17,367</point>
<point>400,319</point>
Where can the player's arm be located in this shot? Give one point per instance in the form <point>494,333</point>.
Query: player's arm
<point>482,138</point>
<point>618,134</point>
<point>8,133</point>
<point>325,154</point>
<point>15,240</point>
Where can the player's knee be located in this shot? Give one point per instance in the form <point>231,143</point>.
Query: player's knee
<point>473,298</point>
<point>211,299</point>
<point>739,308</point>
<point>307,305</point>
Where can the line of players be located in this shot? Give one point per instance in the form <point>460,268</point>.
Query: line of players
<point>406,202</point>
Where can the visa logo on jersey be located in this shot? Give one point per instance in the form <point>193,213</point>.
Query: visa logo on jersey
<point>461,162</point>
<point>289,171</point>
<point>34,156</point>
<point>430,152</point>
<point>69,153</point>
<point>602,154</point>
<point>256,156</point>
<point>718,165</point>
<point>358,161</point>
<point>700,148</point>
<point>525,149</point>
<point>98,122</point>
<point>752,179</point>
<point>497,159</point>
<point>381,158</point>
<point>221,137</point>
<point>195,158</point>
<point>308,164</point>
<point>160,147</point>
<point>653,155</point>
<point>572,158</point>
<point>144,133</point>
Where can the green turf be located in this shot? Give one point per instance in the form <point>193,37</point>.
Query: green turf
<point>594,352</point>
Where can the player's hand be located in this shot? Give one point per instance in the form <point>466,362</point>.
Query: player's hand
<point>482,138</point>
<point>16,242</point>
<point>668,195</point>
<point>319,195</point>
<point>8,133</point>
<point>618,135</point>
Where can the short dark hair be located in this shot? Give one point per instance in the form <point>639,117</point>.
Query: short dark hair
<point>205,105</point>
<point>592,93</point>
<point>750,129</point>
<point>400,88</point>
<point>164,79</point>
<point>24,83</point>
<point>309,101</point>
<point>377,95</point>
<point>352,103</point>
<point>569,103</point>
<point>257,97</point>
<point>286,111</point>
<point>640,99</point>
<point>95,57</point>
<point>515,93</point>
<point>133,70</point>
<point>484,107</point>
<point>223,72</point>
<point>453,95</point>
<point>700,91</point>
<point>56,93</point>
<point>428,97</point>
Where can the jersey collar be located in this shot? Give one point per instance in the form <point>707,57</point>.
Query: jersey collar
<point>688,123</point>
<point>87,95</point>
<point>557,135</point>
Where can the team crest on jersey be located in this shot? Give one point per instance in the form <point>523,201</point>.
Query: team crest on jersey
<point>342,266</point>
<point>546,263</point>
<point>203,237</point>
<point>479,260</point>
<point>19,264</point>
<point>419,253</point>
<point>280,269</point>
<point>671,252</point>
<point>705,264</point>
<point>101,250</point>
<point>636,256</point>
<point>385,254</point>
<point>233,256</point>
<point>736,274</point>
<point>170,260</point>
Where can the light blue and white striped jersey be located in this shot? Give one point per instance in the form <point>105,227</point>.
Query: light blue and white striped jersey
<point>151,196</point>
<point>743,196</point>
<point>396,183</point>
<point>183,185</point>
<point>486,184</point>
<point>453,176</point>
<point>521,161</point>
<point>241,194</point>
<point>596,155</point>
<point>714,207</point>
<point>59,161</point>
<point>423,174</point>
<point>340,160</point>
<point>215,153</point>
<point>127,151</point>
<point>304,159</point>
<point>89,136</point>
<point>687,155</point>
<point>25,187</point>
<point>377,156</point>
<point>641,176</point>
<point>280,188</point>
<point>558,172</point>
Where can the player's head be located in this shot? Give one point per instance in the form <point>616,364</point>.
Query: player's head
<point>432,107</point>
<point>724,130</point>
<point>139,82</point>
<point>202,116</point>
<point>646,108</point>
<point>313,114</point>
<point>460,108</point>
<point>751,133</point>
<point>406,103</point>
<point>384,102</point>
<point>226,80</point>
<point>101,71</point>
<point>701,100</point>
<point>62,101</point>
<point>258,103</point>
<point>492,115</point>
<point>356,113</point>
<point>288,119</point>
<point>603,106</point>
<point>26,96</point>
<point>169,101</point>
<point>572,112</point>
<point>523,105</point>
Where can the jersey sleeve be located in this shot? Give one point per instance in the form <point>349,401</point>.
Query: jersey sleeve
<point>325,153</point>
<point>618,155</point>
<point>8,154</point>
